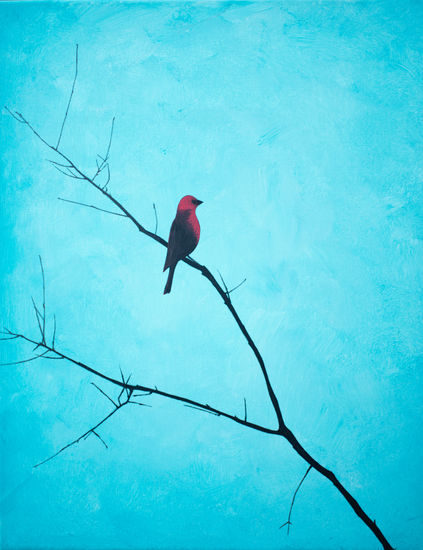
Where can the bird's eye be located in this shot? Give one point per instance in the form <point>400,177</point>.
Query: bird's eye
<point>194,201</point>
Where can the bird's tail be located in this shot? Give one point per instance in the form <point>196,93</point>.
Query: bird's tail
<point>168,286</point>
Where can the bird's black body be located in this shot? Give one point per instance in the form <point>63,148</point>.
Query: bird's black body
<point>183,238</point>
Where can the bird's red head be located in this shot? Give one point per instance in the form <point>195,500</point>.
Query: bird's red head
<point>188,203</point>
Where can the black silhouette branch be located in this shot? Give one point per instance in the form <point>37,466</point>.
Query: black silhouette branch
<point>288,523</point>
<point>72,170</point>
<point>93,431</point>
<point>127,387</point>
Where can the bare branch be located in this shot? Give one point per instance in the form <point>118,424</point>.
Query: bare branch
<point>70,97</point>
<point>94,207</point>
<point>93,430</point>
<point>286,433</point>
<point>288,523</point>
<point>83,436</point>
<point>131,388</point>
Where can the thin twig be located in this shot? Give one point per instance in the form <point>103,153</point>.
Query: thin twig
<point>226,294</point>
<point>23,360</point>
<point>202,409</point>
<point>157,221</point>
<point>59,163</point>
<point>142,394</point>
<point>104,160</point>
<point>140,404</point>
<point>44,299</point>
<point>94,207</point>
<point>237,286</point>
<point>288,523</point>
<point>110,141</point>
<point>54,331</point>
<point>37,315</point>
<point>70,97</point>
<point>104,393</point>
<point>84,435</point>
<point>67,173</point>
<point>108,177</point>
<point>100,438</point>
<point>17,116</point>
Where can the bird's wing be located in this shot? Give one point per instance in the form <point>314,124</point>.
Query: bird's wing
<point>182,241</point>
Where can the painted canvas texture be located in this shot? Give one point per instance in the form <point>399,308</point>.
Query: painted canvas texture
<point>298,126</point>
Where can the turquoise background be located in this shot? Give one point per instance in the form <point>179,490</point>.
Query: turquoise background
<point>299,125</point>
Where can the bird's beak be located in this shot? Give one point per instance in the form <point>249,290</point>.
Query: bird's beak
<point>198,202</point>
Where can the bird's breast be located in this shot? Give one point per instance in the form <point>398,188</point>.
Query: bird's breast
<point>194,224</point>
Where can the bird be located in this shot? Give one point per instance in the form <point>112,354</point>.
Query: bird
<point>183,237</point>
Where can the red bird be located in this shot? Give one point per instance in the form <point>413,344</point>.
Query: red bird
<point>183,237</point>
